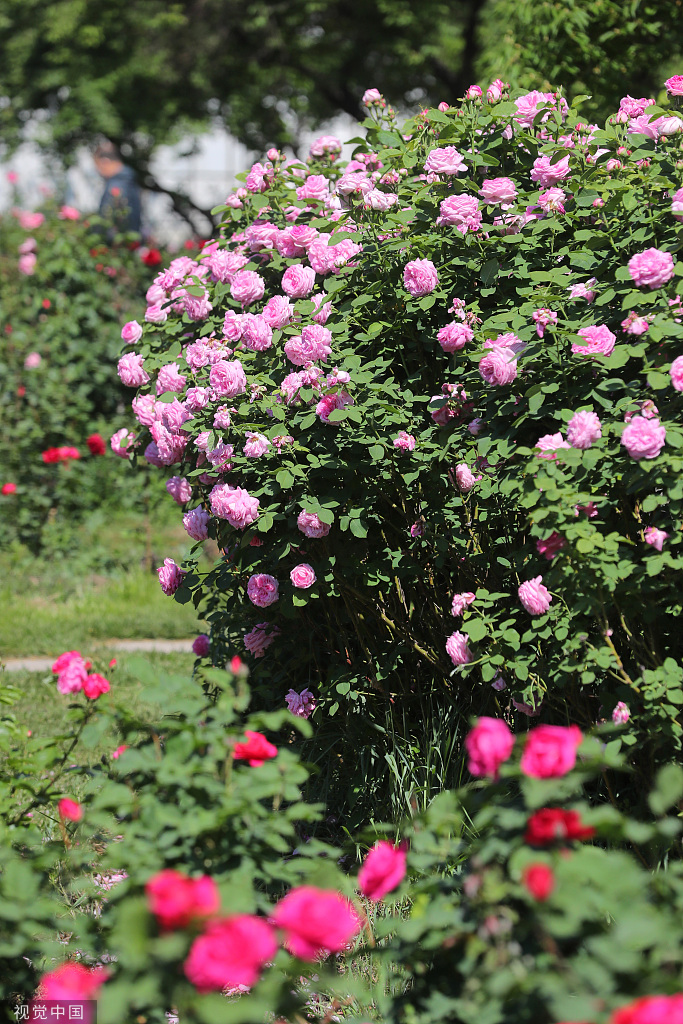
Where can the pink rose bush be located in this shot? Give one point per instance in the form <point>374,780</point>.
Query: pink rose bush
<point>643,437</point>
<point>550,751</point>
<point>231,952</point>
<point>651,268</point>
<point>315,922</point>
<point>383,869</point>
<point>534,596</point>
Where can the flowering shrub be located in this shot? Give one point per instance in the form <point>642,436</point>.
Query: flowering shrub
<point>189,880</point>
<point>440,369</point>
<point>60,325</point>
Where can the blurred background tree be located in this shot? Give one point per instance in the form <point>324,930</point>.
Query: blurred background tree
<point>146,72</point>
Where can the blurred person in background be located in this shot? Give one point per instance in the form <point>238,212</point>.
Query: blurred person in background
<point>120,204</point>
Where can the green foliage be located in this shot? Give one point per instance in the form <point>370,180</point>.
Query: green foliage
<point>68,312</point>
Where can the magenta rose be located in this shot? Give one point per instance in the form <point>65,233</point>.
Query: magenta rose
<point>196,523</point>
<point>201,645</point>
<point>488,745</point>
<point>498,366</point>
<point>262,589</point>
<point>454,336</point>
<point>550,751</point>
<point>230,952</point>
<point>311,526</point>
<point>674,85</point>
<point>234,504</point>
<point>302,576</point>
<point>643,437</point>
<point>170,576</point>
<point>383,869</point>
<point>315,922</point>
<point>651,268</point>
<point>130,370</point>
<point>227,378</point>
<point>420,277</point>
<point>676,372</point>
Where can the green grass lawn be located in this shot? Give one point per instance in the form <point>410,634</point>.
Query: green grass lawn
<point>106,588</point>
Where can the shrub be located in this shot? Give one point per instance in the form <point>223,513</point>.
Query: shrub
<point>180,869</point>
<point>431,398</point>
<point>64,296</point>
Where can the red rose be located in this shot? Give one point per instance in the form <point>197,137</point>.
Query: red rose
<point>256,750</point>
<point>539,881</point>
<point>176,899</point>
<point>96,444</point>
<point>552,824</point>
<point>151,257</point>
<point>8,488</point>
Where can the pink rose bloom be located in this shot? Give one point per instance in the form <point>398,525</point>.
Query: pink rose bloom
<point>176,899</point>
<point>546,174</point>
<point>420,277</point>
<point>170,379</point>
<point>635,324</point>
<point>27,263</point>
<point>378,200</point>
<point>298,281</point>
<point>583,428</point>
<point>445,161</point>
<point>621,713</point>
<point>68,213</point>
<point>676,373</point>
<point>599,341</point>
<point>170,576</point>
<point>454,336</point>
<point>498,191</point>
<point>316,922</point>
<point>277,311</point>
<point>69,810</point>
<point>494,93</point>
<point>131,332</point>
<point>71,671</point>
<point>457,648</point>
<point>550,751</point>
<point>262,589</point>
<point>234,504</point>
<point>257,334</point>
<point>551,545</point>
<point>417,529</point>
<point>311,526</point>
<point>534,596</point>
<point>312,344</point>
<point>196,523</point>
<point>488,744</point>
<point>28,245</point>
<point>256,445</point>
<point>460,602</point>
<point>246,287</point>
<point>461,212</point>
<point>154,314</point>
<point>543,318</point>
<point>95,685</point>
<point>404,441</point>
<point>300,704</point>
<point>130,370</point>
<point>674,85</point>
<point>230,952</point>
<point>227,378</point>
<point>677,204</point>
<point>232,330</point>
<point>316,187</point>
<point>498,366</point>
<point>655,537</point>
<point>643,437</point>
<point>258,640</point>
<point>474,92</point>
<point>651,268</point>
<point>464,477</point>
<point>201,645</point>
<point>144,407</point>
<point>583,290</point>
<point>552,199</point>
<point>197,399</point>
<point>372,97</point>
<point>72,981</point>
<point>302,576</point>
<point>33,361</point>
<point>329,403</point>
<point>383,869</point>
<point>325,144</point>
<point>117,444</point>
<point>527,107</point>
<point>631,107</point>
